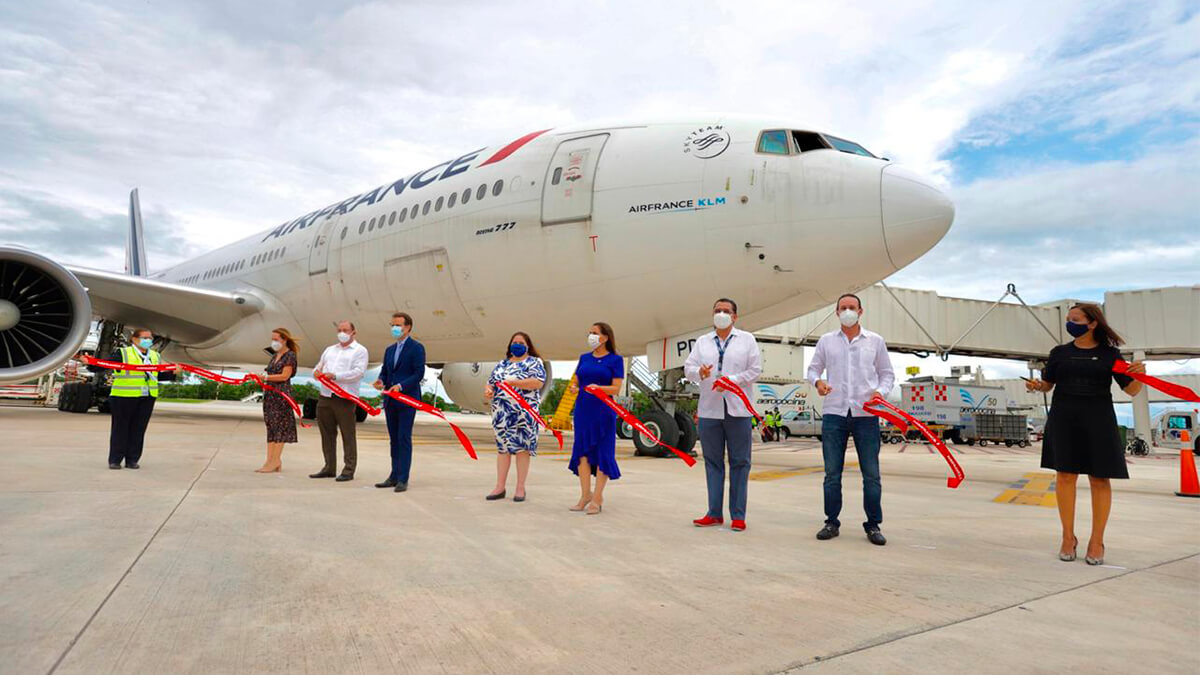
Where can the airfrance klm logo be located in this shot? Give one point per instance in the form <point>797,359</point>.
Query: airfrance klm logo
<point>677,206</point>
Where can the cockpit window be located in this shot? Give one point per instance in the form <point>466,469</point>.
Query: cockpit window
<point>774,143</point>
<point>847,146</point>
<point>807,140</point>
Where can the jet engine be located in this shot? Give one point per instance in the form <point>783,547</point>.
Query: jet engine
<point>464,383</point>
<point>45,314</point>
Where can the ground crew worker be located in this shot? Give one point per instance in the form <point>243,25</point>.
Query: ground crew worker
<point>132,399</point>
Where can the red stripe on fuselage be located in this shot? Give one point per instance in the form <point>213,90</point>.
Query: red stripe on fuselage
<point>513,147</point>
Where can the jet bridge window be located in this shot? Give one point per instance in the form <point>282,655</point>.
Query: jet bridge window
<point>847,146</point>
<point>774,142</point>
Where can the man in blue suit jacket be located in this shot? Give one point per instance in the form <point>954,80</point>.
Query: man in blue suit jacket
<point>403,368</point>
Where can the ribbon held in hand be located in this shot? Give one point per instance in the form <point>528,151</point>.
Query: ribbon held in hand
<point>1169,388</point>
<point>406,400</point>
<point>730,386</point>
<point>902,420</point>
<point>508,389</point>
<point>196,370</point>
<point>635,422</point>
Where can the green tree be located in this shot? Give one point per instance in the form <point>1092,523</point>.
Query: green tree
<point>552,397</point>
<point>305,392</point>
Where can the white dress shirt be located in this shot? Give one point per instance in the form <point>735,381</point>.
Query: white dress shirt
<point>346,363</point>
<point>742,364</point>
<point>856,370</point>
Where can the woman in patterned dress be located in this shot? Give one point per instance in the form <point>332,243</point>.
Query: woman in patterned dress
<point>516,431</point>
<point>277,413</point>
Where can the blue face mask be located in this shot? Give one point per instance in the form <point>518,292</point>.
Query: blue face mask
<point>1076,329</point>
<point>517,349</point>
<point>397,331</point>
<point>146,343</point>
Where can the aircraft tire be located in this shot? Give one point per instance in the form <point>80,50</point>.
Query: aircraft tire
<point>82,400</point>
<point>688,434</point>
<point>660,424</point>
<point>308,409</point>
<point>624,430</point>
<point>64,396</point>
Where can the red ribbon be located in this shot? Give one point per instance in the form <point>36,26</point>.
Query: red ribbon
<point>1169,388</point>
<point>406,400</point>
<point>729,385</point>
<point>634,422</point>
<point>508,389</point>
<point>195,370</point>
<point>902,420</point>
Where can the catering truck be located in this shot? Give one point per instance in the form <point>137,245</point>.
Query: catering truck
<point>952,404</point>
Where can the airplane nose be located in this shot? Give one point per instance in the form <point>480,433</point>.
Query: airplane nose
<point>916,215</point>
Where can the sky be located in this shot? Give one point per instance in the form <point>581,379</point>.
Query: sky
<point>1066,133</point>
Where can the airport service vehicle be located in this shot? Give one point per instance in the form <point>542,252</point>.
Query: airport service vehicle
<point>950,403</point>
<point>1172,425</point>
<point>801,423</point>
<point>639,224</point>
<point>992,427</point>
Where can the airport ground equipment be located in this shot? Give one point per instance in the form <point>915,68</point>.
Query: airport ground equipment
<point>1176,429</point>
<point>987,427</point>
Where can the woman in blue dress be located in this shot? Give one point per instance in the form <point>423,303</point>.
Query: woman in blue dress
<point>595,449</point>
<point>516,430</point>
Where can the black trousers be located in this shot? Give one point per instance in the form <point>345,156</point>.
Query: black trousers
<point>130,417</point>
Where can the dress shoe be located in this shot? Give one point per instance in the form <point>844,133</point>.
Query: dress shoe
<point>828,532</point>
<point>707,521</point>
<point>344,477</point>
<point>321,474</point>
<point>1095,561</point>
<point>737,525</point>
<point>876,537</point>
<point>133,465</point>
<point>496,495</point>
<point>401,487</point>
<point>114,466</point>
<point>518,498</point>
<point>386,484</point>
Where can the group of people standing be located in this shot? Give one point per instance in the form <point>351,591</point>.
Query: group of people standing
<point>850,369</point>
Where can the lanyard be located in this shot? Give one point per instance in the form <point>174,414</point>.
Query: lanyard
<point>721,351</point>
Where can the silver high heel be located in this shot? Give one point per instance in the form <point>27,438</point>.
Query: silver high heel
<point>1070,557</point>
<point>1095,561</point>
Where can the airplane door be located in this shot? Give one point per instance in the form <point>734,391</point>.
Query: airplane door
<point>318,255</point>
<point>567,191</point>
<point>423,285</point>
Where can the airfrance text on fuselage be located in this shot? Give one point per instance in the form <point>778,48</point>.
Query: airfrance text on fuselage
<point>681,205</point>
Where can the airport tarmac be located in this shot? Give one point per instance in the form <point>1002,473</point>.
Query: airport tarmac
<point>196,564</point>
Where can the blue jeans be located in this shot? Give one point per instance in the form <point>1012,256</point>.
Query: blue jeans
<point>732,433</point>
<point>400,425</point>
<point>835,431</point>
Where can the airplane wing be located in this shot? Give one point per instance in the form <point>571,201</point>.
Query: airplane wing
<point>182,313</point>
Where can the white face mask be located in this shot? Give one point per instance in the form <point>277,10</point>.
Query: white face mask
<point>593,340</point>
<point>722,320</point>
<point>343,338</point>
<point>848,317</point>
<point>276,345</point>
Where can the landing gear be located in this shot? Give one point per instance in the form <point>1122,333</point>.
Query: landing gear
<point>687,431</point>
<point>661,425</point>
<point>624,430</point>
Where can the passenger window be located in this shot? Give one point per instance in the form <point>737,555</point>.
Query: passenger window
<point>466,195</point>
<point>557,176</point>
<point>362,227</point>
<point>481,192</point>
<point>371,226</point>
<point>774,143</point>
<point>452,201</point>
<point>413,213</point>
<point>403,214</point>
<point>847,146</point>
<point>425,209</point>
<point>392,218</point>
<point>807,140</point>
<point>497,188</point>
<point>438,205</point>
<point>344,231</point>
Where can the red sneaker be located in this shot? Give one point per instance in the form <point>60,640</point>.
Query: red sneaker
<point>738,525</point>
<point>707,521</point>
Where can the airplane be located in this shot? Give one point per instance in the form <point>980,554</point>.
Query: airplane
<point>641,225</point>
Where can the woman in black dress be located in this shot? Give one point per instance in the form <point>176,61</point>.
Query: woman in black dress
<point>281,421</point>
<point>1081,429</point>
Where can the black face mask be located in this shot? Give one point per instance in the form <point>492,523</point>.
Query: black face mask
<point>1077,329</point>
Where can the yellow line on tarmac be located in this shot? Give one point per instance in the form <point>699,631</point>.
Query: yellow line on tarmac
<point>788,473</point>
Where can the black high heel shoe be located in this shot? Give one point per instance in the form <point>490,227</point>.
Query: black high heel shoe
<point>498,495</point>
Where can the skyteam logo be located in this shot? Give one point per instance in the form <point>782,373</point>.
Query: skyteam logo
<point>988,401</point>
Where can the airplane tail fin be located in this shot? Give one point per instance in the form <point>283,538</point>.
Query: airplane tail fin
<point>135,251</point>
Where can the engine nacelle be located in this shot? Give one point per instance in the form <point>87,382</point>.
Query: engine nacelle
<point>464,384</point>
<point>45,314</point>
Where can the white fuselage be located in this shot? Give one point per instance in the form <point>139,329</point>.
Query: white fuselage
<point>630,225</point>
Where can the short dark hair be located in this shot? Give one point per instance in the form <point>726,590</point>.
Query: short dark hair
<point>346,321</point>
<point>848,295</point>
<point>731,304</point>
<point>405,316</point>
<point>138,331</point>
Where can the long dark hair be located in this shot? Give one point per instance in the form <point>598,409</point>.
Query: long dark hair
<point>611,344</point>
<point>1103,332</point>
<point>528,341</point>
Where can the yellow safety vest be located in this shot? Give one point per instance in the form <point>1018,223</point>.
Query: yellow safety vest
<point>131,383</point>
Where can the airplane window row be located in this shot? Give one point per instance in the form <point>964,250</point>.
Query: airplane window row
<point>783,142</point>
<point>429,205</point>
<point>221,271</point>
<point>268,256</point>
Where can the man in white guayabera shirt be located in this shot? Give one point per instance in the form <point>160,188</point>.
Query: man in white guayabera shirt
<point>724,419</point>
<point>857,369</point>
<point>344,364</point>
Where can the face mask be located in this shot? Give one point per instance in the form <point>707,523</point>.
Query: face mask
<point>722,320</point>
<point>343,338</point>
<point>1076,329</point>
<point>276,345</point>
<point>397,332</point>
<point>517,349</point>
<point>848,317</point>
<point>593,340</point>
<point>146,343</point>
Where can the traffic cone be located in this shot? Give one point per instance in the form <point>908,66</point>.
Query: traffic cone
<point>1189,486</point>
